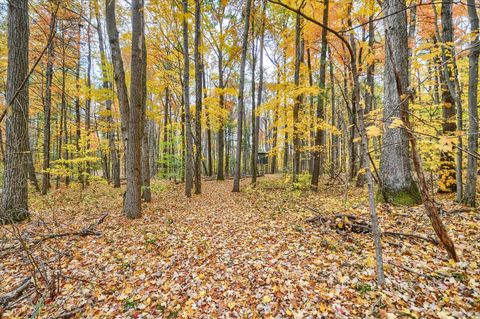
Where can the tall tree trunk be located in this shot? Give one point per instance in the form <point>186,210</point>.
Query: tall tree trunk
<point>198,99</point>
<point>31,159</point>
<point>14,202</point>
<point>447,176</point>
<point>118,69</point>
<point>471,183</point>
<point>186,101</point>
<point>132,206</point>
<point>395,172</point>
<point>298,98</point>
<point>412,27</point>
<point>221,130</point>
<point>256,118</point>
<point>227,150</point>
<point>240,109</point>
<point>209,123</point>
<point>334,147</point>
<point>145,150</point>
<point>253,159</point>
<point>107,85</point>
<point>63,107</point>
<point>285,136</point>
<point>154,147</point>
<point>78,128</point>
<point>369,94</point>
<point>47,109</point>
<point>273,167</point>
<point>221,135</point>
<point>88,102</point>
<point>184,147</point>
<point>164,167</point>
<point>146,191</point>
<point>245,146</point>
<point>311,113</point>
<point>317,158</point>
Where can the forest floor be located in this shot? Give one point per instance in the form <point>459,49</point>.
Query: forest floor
<point>234,255</point>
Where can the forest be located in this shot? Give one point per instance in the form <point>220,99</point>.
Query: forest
<point>239,159</point>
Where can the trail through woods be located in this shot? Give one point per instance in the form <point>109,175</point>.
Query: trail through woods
<point>237,255</point>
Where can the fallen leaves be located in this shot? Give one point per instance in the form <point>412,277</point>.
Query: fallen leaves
<point>247,255</point>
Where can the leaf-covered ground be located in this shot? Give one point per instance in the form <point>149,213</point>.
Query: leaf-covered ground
<point>246,255</point>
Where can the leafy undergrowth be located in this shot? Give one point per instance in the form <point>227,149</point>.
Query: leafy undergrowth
<point>228,255</point>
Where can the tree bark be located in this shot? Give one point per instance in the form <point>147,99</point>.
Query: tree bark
<point>447,177</point>
<point>395,171</point>
<point>88,101</point>
<point>432,211</point>
<point>119,72</point>
<point>64,129</point>
<point>286,146</point>
<point>317,158</point>
<point>471,183</point>
<point>132,206</point>
<point>253,158</point>
<point>186,101</point>
<point>335,147</point>
<point>221,130</point>
<point>14,202</point>
<point>198,99</point>
<point>164,164</point>
<point>146,192</point>
<point>47,110</point>
<point>78,128</point>
<point>238,157</point>
<point>107,85</point>
<point>209,123</point>
<point>298,98</point>
<point>274,151</point>
<point>256,118</point>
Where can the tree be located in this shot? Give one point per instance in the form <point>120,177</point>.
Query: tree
<point>107,85</point>
<point>449,95</point>
<point>240,106</point>
<point>255,117</point>
<point>119,71</point>
<point>298,98</point>
<point>47,108</point>
<point>471,183</point>
<point>146,190</point>
<point>14,203</point>
<point>321,101</point>
<point>186,102</point>
<point>221,99</point>
<point>395,171</point>
<point>132,206</point>
<point>198,99</point>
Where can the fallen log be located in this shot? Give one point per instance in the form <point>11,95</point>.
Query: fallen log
<point>417,236</point>
<point>344,222</point>
<point>86,231</point>
<point>14,294</point>
<point>89,230</point>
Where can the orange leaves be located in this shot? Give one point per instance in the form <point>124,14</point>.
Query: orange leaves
<point>246,255</point>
